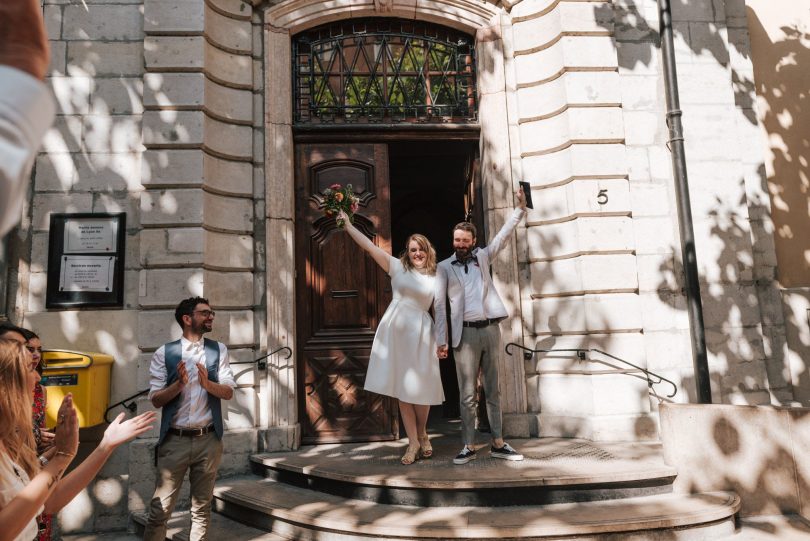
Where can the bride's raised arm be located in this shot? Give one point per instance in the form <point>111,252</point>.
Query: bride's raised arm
<point>377,254</point>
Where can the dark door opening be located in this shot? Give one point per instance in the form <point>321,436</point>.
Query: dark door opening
<point>430,181</point>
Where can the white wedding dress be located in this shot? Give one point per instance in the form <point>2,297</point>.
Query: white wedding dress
<point>403,362</point>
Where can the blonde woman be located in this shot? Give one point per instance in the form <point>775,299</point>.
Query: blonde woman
<point>30,485</point>
<point>403,362</point>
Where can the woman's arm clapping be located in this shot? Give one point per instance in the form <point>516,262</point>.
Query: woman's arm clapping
<point>26,504</point>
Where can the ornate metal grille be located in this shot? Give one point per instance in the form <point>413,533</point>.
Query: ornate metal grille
<point>384,70</point>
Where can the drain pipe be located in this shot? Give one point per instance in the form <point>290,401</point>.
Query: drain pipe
<point>694,305</point>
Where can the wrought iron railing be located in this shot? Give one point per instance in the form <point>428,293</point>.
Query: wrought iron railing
<point>582,353</point>
<point>383,70</point>
<point>130,404</point>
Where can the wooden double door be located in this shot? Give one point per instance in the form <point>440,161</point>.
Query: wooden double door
<point>341,293</point>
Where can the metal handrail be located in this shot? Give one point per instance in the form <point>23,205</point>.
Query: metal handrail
<point>581,355</point>
<point>131,406</point>
<point>260,362</point>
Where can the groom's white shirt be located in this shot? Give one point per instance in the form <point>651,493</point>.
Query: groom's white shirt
<point>450,284</point>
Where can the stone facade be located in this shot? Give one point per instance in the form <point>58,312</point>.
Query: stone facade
<point>179,113</point>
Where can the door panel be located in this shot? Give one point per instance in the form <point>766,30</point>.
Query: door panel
<point>342,294</point>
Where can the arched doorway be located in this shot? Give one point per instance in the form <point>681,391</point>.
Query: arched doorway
<point>388,106</point>
<point>283,388</point>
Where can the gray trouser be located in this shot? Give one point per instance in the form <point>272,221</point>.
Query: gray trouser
<point>199,455</point>
<point>478,347</point>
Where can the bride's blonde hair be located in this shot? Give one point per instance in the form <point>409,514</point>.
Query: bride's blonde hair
<point>16,400</point>
<point>424,243</point>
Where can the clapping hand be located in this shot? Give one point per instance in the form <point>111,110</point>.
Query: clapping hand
<point>46,440</point>
<point>66,434</point>
<point>202,376</point>
<point>182,375</point>
<point>441,352</point>
<point>121,431</point>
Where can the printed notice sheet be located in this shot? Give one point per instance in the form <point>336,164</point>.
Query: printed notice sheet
<point>90,235</point>
<point>87,273</point>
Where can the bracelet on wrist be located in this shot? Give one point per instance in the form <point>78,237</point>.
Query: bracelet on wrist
<point>65,453</point>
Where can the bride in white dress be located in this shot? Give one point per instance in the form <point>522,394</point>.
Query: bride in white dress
<point>403,362</point>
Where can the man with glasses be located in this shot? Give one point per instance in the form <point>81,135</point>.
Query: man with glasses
<point>188,379</point>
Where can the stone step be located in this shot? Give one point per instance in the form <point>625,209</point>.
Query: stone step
<point>772,528</point>
<point>298,513</point>
<point>554,471</point>
<point>221,528</point>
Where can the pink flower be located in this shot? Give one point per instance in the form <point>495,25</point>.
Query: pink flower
<point>336,186</point>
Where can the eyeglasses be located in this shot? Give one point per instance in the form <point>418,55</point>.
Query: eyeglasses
<point>205,313</point>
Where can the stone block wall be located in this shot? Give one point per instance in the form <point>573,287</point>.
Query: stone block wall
<point>731,212</point>
<point>602,246</point>
<point>200,130</point>
<point>580,262</point>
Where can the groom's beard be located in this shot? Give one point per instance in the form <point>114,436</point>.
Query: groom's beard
<point>463,253</point>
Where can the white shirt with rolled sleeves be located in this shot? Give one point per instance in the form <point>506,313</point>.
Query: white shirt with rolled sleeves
<point>26,112</point>
<point>193,411</point>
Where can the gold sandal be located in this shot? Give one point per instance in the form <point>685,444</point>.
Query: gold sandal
<point>425,447</point>
<point>410,456</point>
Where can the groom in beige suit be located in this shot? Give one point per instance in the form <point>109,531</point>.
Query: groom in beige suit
<point>475,311</point>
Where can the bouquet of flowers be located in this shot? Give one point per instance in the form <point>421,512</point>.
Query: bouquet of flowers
<point>337,198</point>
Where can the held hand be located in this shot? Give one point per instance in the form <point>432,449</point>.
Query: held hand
<point>441,352</point>
<point>521,197</point>
<point>66,437</point>
<point>182,375</point>
<point>121,431</point>
<point>202,376</point>
<point>23,42</point>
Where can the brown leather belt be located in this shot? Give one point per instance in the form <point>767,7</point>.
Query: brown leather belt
<point>481,323</point>
<point>191,432</point>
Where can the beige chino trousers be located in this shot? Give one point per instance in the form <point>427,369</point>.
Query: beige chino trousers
<point>200,456</point>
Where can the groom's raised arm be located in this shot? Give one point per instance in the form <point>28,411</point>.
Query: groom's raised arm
<point>506,230</point>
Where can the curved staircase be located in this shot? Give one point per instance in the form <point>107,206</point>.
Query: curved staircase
<point>564,489</point>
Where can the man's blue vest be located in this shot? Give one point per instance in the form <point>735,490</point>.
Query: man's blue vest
<point>173,354</point>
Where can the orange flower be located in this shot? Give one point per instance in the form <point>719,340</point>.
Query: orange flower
<point>339,197</point>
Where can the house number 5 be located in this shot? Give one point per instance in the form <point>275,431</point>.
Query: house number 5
<point>602,198</point>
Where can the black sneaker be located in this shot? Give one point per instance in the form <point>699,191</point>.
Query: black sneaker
<point>507,452</point>
<point>464,456</point>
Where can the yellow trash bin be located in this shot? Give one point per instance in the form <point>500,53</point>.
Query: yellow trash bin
<point>86,375</point>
